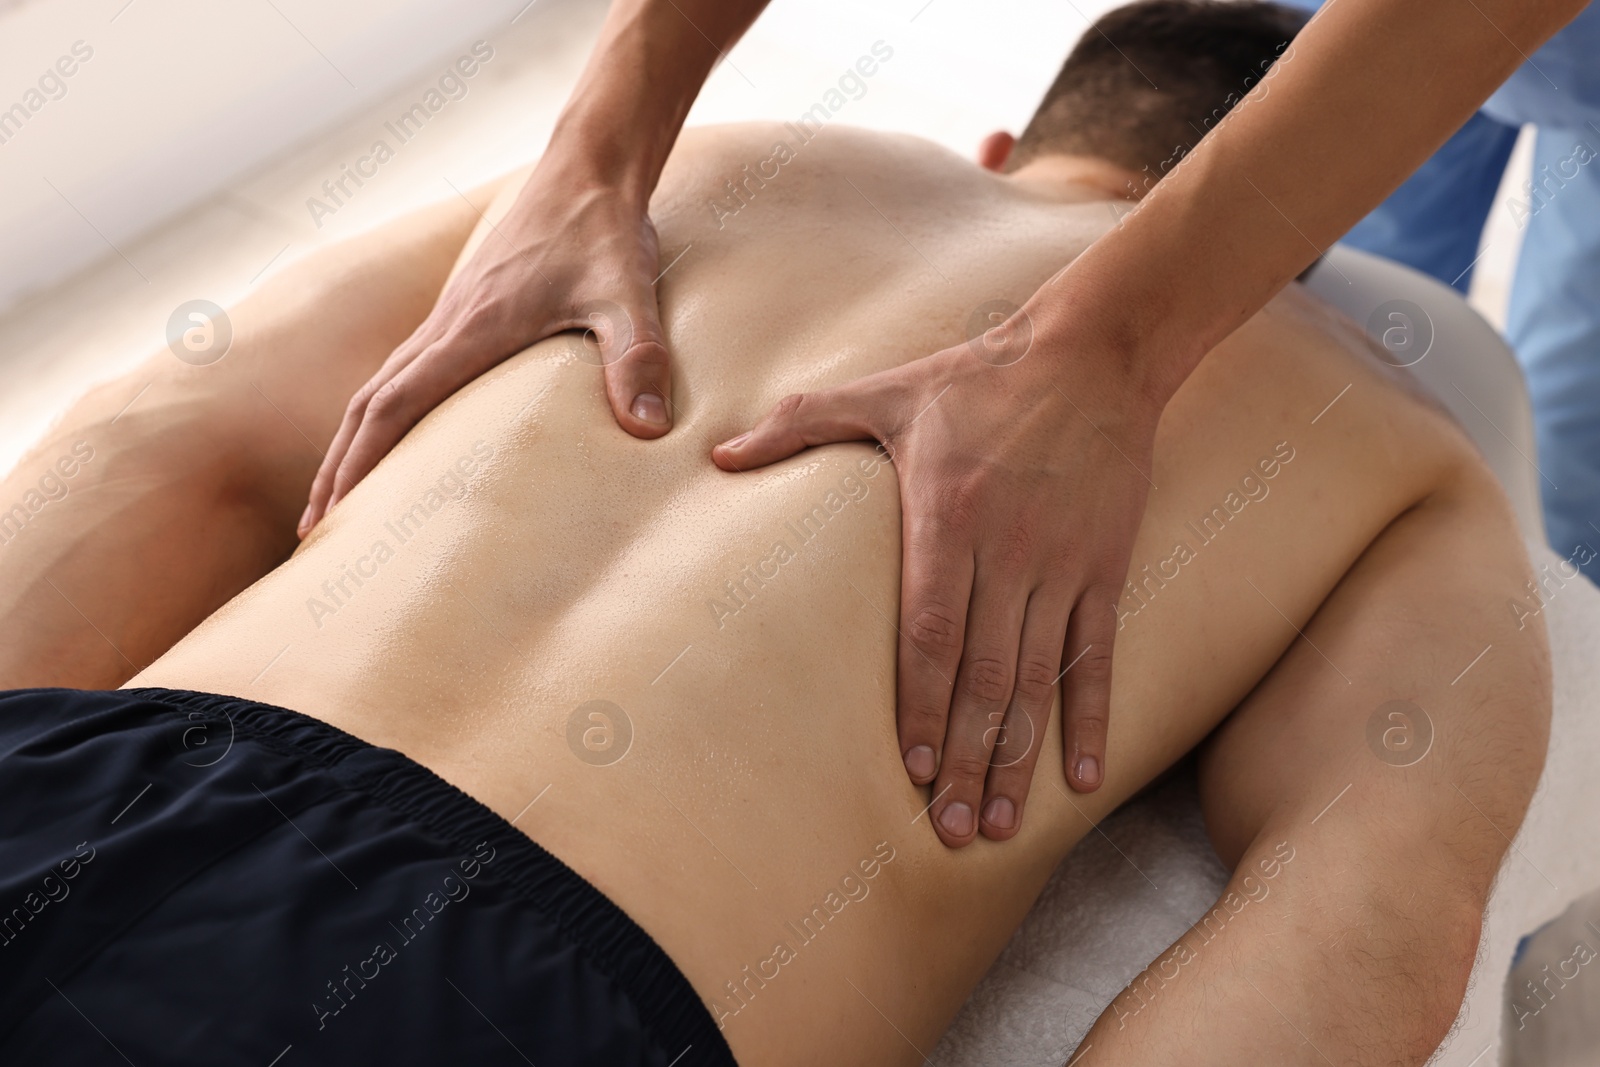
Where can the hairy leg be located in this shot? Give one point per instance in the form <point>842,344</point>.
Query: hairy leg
<point>162,494</point>
<point>1367,791</point>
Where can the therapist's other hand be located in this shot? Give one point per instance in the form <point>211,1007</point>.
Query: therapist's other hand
<point>1021,463</point>
<point>572,253</point>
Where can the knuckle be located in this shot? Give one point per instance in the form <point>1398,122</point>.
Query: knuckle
<point>646,355</point>
<point>388,402</point>
<point>925,721</point>
<point>1090,675</point>
<point>472,319</point>
<point>484,325</point>
<point>1095,662</point>
<point>962,506</point>
<point>986,679</point>
<point>1060,561</point>
<point>1101,600</point>
<point>1035,677</point>
<point>924,709</point>
<point>358,403</point>
<point>935,630</point>
<point>789,406</point>
<point>1014,546</point>
<point>1015,751</point>
<point>966,765</point>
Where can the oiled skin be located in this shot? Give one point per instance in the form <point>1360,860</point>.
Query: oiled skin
<point>574,563</point>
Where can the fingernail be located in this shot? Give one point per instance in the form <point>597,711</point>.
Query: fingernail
<point>956,819</point>
<point>1001,813</point>
<point>735,442</point>
<point>1089,770</point>
<point>921,763</point>
<point>305,517</point>
<point>647,407</point>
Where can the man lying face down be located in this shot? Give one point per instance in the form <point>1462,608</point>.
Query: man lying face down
<point>553,745</point>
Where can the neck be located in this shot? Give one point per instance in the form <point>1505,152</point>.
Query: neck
<point>1076,178</point>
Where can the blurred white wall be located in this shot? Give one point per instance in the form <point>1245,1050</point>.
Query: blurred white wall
<point>168,101</point>
<point>959,68</point>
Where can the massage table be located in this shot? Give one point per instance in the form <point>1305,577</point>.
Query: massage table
<point>1128,891</point>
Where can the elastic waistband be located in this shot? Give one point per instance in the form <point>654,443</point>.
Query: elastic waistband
<point>615,944</point>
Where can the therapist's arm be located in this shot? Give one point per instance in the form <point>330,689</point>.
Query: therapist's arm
<point>1022,485</point>
<point>576,251</point>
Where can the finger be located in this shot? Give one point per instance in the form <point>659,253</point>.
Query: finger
<point>1086,686</point>
<point>324,484</point>
<point>321,496</point>
<point>1027,717</point>
<point>936,588</point>
<point>983,687</point>
<point>800,420</point>
<point>638,368</point>
<point>402,401</point>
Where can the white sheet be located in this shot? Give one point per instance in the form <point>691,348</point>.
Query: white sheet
<point>1100,921</point>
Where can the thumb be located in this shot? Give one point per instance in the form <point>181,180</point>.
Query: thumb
<point>638,367</point>
<point>801,420</point>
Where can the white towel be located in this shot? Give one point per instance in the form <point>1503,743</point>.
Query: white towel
<point>1125,894</point>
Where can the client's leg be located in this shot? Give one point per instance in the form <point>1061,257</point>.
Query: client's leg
<point>162,494</point>
<point>1367,791</point>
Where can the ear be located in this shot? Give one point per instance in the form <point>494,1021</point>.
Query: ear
<point>994,150</point>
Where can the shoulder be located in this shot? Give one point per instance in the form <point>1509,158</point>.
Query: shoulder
<point>736,145</point>
<point>792,162</point>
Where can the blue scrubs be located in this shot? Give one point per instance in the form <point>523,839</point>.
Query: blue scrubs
<point>1433,223</point>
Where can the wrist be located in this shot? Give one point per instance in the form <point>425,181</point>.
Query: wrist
<point>582,155</point>
<point>633,96</point>
<point>1104,350</point>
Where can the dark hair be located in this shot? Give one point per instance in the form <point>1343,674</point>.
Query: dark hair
<point>1149,79</point>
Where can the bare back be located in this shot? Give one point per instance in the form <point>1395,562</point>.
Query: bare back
<point>738,788</point>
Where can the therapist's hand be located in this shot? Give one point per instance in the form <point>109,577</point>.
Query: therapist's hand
<point>573,253</point>
<point>1022,463</point>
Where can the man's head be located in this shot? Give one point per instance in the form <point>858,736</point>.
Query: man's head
<point>1148,80</point>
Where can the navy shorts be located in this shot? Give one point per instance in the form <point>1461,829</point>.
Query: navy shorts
<point>197,879</point>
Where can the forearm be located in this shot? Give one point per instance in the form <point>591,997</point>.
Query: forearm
<point>159,495</point>
<point>648,66</point>
<point>1311,967</point>
<point>1363,96</point>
